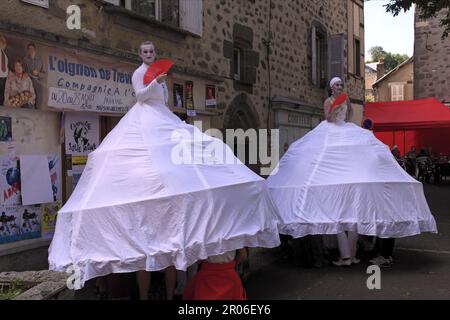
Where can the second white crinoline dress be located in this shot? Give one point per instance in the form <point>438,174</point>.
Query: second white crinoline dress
<point>340,177</point>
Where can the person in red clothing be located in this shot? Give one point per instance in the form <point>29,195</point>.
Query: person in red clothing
<point>218,279</point>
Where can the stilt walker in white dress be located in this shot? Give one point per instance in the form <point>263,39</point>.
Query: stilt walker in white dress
<point>153,195</point>
<point>340,179</point>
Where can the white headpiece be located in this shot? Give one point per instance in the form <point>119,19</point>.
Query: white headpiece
<point>334,80</point>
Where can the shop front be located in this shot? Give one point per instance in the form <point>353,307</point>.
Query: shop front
<point>294,119</point>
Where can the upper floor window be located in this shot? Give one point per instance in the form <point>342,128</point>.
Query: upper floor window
<point>397,91</point>
<point>166,11</point>
<point>355,38</point>
<point>319,54</point>
<point>237,64</point>
<point>357,54</point>
<point>184,14</point>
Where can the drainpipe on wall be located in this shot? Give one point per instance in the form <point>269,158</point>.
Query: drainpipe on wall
<point>268,43</point>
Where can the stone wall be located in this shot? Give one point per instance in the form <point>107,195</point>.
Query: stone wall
<point>276,37</point>
<point>431,60</point>
<point>290,54</point>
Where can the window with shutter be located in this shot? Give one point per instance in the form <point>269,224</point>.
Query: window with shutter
<point>249,63</point>
<point>323,63</point>
<point>191,16</point>
<point>185,14</point>
<point>336,56</point>
<point>114,2</point>
<point>319,56</point>
<point>313,56</point>
<point>147,8</point>
<point>170,12</point>
<point>397,91</point>
<point>236,64</point>
<point>357,60</point>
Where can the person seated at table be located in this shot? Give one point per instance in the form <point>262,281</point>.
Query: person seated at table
<point>396,152</point>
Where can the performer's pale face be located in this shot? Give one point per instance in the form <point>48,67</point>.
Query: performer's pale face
<point>148,54</point>
<point>337,88</point>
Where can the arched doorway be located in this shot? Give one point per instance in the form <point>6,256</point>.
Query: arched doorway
<point>241,114</point>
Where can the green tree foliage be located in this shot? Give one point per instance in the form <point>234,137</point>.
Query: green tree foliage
<point>391,60</point>
<point>426,8</point>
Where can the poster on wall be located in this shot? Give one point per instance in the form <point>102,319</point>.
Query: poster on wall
<point>5,129</point>
<point>78,165</point>
<point>30,222</point>
<point>42,76</point>
<point>9,224</point>
<point>82,133</point>
<point>189,95</point>
<point>10,181</point>
<point>49,216</point>
<point>210,101</point>
<point>178,96</point>
<point>54,165</point>
<point>36,185</point>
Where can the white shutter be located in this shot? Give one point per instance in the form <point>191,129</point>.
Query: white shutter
<point>191,16</point>
<point>114,2</point>
<point>313,56</point>
<point>397,91</point>
<point>336,47</point>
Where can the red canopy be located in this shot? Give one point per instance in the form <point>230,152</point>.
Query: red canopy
<point>421,123</point>
<point>407,115</point>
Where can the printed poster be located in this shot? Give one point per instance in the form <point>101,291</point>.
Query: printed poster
<point>82,133</point>
<point>9,224</point>
<point>10,182</point>
<point>49,216</point>
<point>30,222</point>
<point>178,96</point>
<point>210,101</point>
<point>59,79</point>
<point>5,129</point>
<point>189,90</point>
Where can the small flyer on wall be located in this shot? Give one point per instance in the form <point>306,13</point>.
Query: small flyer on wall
<point>210,101</point>
<point>82,133</point>
<point>5,129</point>
<point>78,164</point>
<point>30,222</point>
<point>9,224</point>
<point>49,216</point>
<point>189,90</point>
<point>54,164</point>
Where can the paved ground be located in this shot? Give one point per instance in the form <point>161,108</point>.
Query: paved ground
<point>421,269</point>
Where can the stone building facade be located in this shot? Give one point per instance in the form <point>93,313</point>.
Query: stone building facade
<point>431,60</point>
<point>397,84</point>
<point>269,61</point>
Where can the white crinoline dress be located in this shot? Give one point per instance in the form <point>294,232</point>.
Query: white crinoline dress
<point>340,177</point>
<point>153,194</point>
